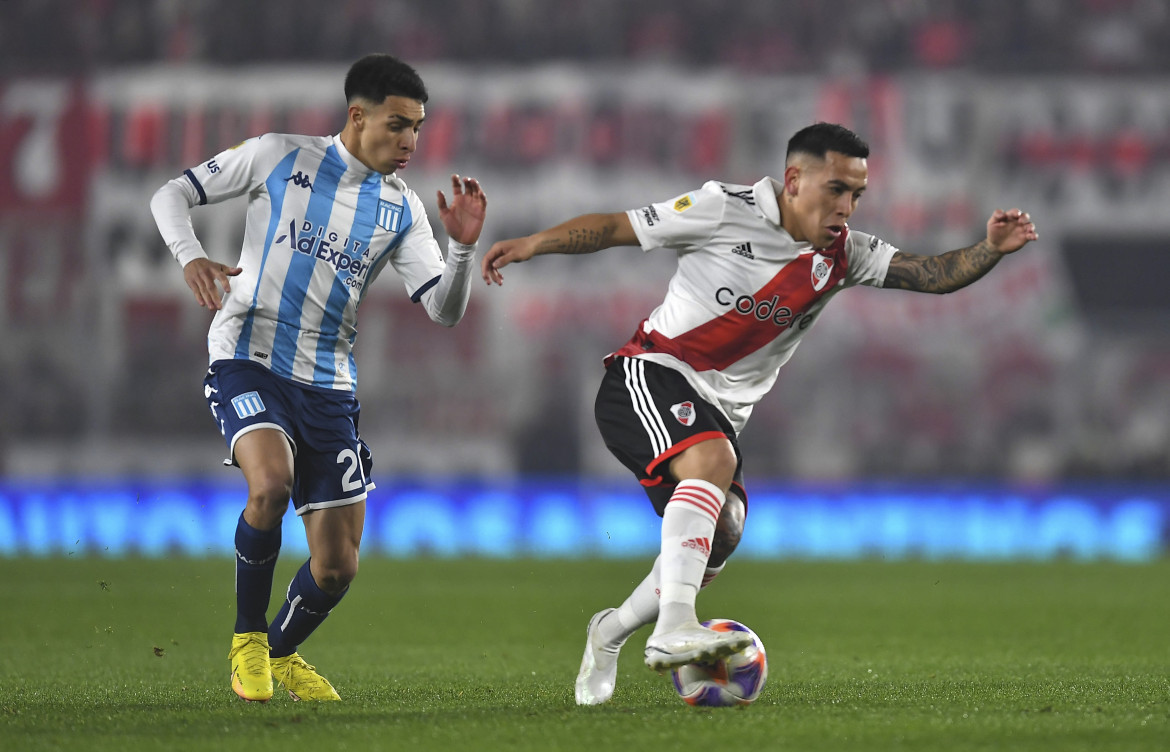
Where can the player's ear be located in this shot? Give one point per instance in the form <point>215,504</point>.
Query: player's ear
<point>357,116</point>
<point>791,179</point>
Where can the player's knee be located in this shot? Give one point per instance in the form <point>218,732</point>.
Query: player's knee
<point>335,575</point>
<point>268,497</point>
<point>728,530</point>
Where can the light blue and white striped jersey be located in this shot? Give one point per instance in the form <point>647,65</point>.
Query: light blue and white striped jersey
<point>320,226</point>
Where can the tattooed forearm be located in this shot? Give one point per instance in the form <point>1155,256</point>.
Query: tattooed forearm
<point>579,239</point>
<point>947,272</point>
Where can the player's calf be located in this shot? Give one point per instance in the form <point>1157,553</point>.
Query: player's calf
<point>728,529</point>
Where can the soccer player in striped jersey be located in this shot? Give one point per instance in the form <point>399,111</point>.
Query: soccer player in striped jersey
<point>325,215</point>
<point>756,265</point>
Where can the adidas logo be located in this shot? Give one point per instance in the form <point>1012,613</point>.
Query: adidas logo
<point>699,544</point>
<point>744,249</point>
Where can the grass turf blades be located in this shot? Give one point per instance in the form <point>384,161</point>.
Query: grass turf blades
<point>481,654</point>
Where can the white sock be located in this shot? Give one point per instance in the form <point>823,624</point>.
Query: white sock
<point>688,525</point>
<point>638,610</point>
<point>641,608</point>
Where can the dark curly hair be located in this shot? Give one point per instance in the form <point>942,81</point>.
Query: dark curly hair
<point>375,77</point>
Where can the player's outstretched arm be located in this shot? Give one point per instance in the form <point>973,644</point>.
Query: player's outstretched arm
<point>446,302</point>
<point>584,234</point>
<point>1007,232</point>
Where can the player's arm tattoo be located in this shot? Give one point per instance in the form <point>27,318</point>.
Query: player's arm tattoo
<point>580,239</point>
<point>946,272</point>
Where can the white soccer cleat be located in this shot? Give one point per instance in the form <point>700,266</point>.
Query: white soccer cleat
<point>692,643</point>
<point>598,674</point>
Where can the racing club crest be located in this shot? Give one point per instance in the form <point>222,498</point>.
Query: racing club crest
<point>389,215</point>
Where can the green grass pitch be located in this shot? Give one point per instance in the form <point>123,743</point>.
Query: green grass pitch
<point>129,655</point>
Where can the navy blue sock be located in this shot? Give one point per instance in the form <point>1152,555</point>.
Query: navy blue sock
<point>304,609</point>
<point>256,552</point>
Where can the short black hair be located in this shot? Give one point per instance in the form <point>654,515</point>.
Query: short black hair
<point>819,139</point>
<point>375,77</point>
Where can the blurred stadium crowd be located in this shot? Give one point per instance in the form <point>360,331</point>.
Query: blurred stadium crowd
<point>801,36</point>
<point>1056,366</point>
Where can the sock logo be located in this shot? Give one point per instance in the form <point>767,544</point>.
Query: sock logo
<point>257,562</point>
<point>684,412</point>
<point>699,544</point>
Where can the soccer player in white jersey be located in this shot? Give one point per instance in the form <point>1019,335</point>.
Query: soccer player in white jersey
<point>325,215</point>
<point>756,264</point>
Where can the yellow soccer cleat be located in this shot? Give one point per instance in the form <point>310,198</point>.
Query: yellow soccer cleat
<point>251,670</point>
<point>302,680</point>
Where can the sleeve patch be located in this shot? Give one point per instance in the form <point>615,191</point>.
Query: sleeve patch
<point>684,202</point>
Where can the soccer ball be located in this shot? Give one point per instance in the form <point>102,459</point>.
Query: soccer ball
<point>734,680</point>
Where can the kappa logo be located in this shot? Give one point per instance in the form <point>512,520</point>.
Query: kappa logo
<point>301,180</point>
<point>743,249</point>
<point>684,412</point>
<point>822,268</point>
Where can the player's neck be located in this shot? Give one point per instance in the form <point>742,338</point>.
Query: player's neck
<point>786,223</point>
<point>353,146</point>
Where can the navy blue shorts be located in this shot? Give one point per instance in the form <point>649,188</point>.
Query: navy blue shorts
<point>648,414</point>
<point>331,464</point>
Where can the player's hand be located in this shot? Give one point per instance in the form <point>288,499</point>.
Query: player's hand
<point>205,276</point>
<point>463,219</point>
<point>501,254</point>
<point>1009,231</point>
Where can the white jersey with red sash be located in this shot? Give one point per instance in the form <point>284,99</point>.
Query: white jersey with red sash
<point>745,293</point>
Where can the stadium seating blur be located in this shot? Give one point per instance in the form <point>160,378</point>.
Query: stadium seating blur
<point>1059,107</point>
<point>992,36</point>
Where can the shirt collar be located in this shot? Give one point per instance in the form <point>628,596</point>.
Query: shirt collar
<point>767,193</point>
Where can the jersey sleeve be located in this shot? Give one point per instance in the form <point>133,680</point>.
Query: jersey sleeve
<point>683,222</point>
<point>231,172</point>
<point>869,259</point>
<point>418,259</point>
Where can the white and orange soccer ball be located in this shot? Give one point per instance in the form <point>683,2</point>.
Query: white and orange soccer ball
<point>737,679</point>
